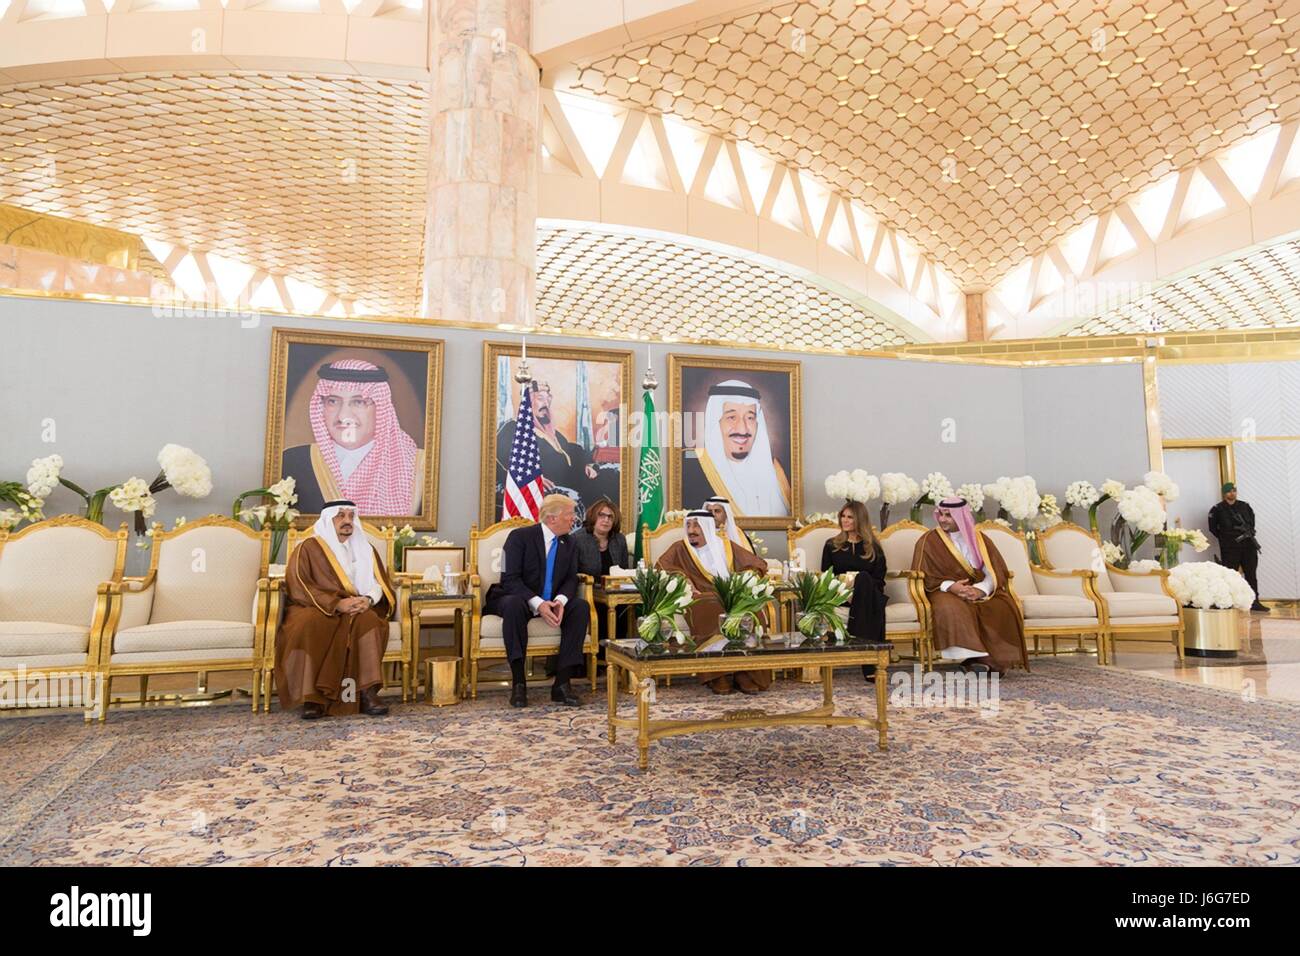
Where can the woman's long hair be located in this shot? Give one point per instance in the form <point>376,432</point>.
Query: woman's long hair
<point>863,526</point>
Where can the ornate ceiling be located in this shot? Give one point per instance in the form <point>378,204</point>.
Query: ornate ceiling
<point>669,290</point>
<point>1259,290</point>
<point>318,177</point>
<point>985,131</point>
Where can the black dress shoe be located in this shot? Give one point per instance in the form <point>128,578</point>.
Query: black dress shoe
<point>563,694</point>
<point>869,673</point>
<point>519,695</point>
<point>1258,608</point>
<point>976,667</point>
<point>370,705</point>
<point>312,711</point>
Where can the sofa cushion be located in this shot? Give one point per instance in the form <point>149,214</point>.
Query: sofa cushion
<point>183,636</point>
<point>169,657</point>
<point>1038,606</point>
<point>537,627</point>
<point>38,638</point>
<point>1122,604</point>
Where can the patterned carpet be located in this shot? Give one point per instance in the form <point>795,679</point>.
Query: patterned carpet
<point>1078,766</point>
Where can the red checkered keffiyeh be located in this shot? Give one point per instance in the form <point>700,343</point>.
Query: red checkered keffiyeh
<point>382,484</point>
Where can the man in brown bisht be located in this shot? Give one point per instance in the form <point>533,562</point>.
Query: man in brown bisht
<point>329,651</point>
<point>703,556</point>
<point>977,622</point>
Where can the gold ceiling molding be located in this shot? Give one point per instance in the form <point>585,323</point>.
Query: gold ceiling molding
<point>653,288</point>
<point>67,237</point>
<point>985,132</point>
<point>322,178</point>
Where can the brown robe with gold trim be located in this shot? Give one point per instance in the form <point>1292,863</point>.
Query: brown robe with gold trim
<point>994,625</point>
<point>316,648</point>
<point>703,614</point>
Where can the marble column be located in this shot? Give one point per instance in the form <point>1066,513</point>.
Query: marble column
<point>480,243</point>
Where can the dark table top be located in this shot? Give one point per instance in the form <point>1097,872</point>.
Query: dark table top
<point>717,646</point>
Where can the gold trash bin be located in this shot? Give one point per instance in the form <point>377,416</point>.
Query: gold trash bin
<point>441,682</point>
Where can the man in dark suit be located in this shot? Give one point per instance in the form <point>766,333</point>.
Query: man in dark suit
<point>539,578</point>
<point>1232,521</point>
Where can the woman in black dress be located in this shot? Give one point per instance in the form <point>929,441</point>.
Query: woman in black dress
<point>856,548</point>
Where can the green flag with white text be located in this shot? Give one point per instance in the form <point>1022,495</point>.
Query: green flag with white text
<point>650,478</point>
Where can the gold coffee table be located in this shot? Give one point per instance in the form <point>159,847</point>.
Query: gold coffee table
<point>716,656</point>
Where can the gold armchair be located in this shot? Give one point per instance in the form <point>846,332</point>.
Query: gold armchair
<point>1138,605</point>
<point>1053,603</point>
<point>399,648</point>
<point>202,607</point>
<point>485,638</point>
<point>656,542</point>
<point>55,578</point>
<point>907,615</point>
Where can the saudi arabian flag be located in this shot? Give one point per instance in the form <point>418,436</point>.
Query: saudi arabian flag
<point>650,480</point>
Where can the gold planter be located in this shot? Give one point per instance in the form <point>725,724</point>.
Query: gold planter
<point>441,686</point>
<point>1212,632</point>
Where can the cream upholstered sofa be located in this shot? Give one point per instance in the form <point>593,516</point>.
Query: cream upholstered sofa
<point>1137,605</point>
<point>486,642</point>
<point>399,649</point>
<point>201,608</point>
<point>662,538</point>
<point>1054,603</point>
<point>55,578</point>
<point>906,613</point>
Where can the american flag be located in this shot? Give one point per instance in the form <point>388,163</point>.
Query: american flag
<point>523,495</point>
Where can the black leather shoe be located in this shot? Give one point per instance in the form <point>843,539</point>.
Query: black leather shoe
<point>370,705</point>
<point>1258,608</point>
<point>312,711</point>
<point>563,694</point>
<point>519,695</point>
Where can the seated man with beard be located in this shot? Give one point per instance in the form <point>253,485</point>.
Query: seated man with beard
<point>330,649</point>
<point>702,557</point>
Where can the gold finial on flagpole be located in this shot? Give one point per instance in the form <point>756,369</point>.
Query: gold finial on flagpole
<point>649,382</point>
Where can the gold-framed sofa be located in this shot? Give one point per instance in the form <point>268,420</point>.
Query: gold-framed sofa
<point>1138,605</point>
<point>656,542</point>
<point>486,642</point>
<point>907,612</point>
<point>1054,603</point>
<point>398,649</point>
<point>55,579</point>
<point>201,608</point>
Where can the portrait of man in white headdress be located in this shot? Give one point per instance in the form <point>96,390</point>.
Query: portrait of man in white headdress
<point>741,448</point>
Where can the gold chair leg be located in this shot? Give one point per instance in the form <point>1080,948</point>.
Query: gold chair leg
<point>473,680</point>
<point>202,682</point>
<point>144,688</point>
<point>257,681</point>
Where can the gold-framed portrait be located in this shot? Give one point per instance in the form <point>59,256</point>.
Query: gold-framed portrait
<point>358,417</point>
<point>579,411</point>
<point>739,436</point>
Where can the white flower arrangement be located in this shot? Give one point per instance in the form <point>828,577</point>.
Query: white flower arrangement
<point>819,516</point>
<point>973,492</point>
<point>133,495</point>
<point>1141,507</point>
<point>935,486</point>
<point>1144,565</point>
<point>1111,488</point>
<point>9,518</point>
<point>1112,553</point>
<point>1081,494</point>
<point>1161,484</point>
<point>1192,536</point>
<point>1204,584</point>
<point>896,487</point>
<point>186,471</point>
<point>1018,497</point>
<point>431,541</point>
<point>856,485</point>
<point>1004,522</point>
<point>671,517</point>
<point>43,476</point>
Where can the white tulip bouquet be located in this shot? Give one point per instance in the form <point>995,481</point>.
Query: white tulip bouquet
<point>743,597</point>
<point>663,595</point>
<point>819,596</point>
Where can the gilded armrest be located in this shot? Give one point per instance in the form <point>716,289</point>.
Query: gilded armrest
<point>916,591</point>
<point>274,604</point>
<point>1071,583</point>
<point>101,620</point>
<point>476,613</point>
<point>589,593</point>
<point>129,603</point>
<point>259,617</point>
<point>1141,582</point>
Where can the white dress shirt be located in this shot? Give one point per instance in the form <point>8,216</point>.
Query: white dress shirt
<point>350,458</point>
<point>534,603</point>
<point>986,585</point>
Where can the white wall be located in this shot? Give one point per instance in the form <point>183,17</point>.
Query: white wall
<point>1257,406</point>
<point>119,383</point>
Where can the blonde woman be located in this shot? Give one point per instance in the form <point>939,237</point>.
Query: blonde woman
<point>856,548</point>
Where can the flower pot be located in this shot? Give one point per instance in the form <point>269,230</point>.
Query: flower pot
<point>1212,632</point>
